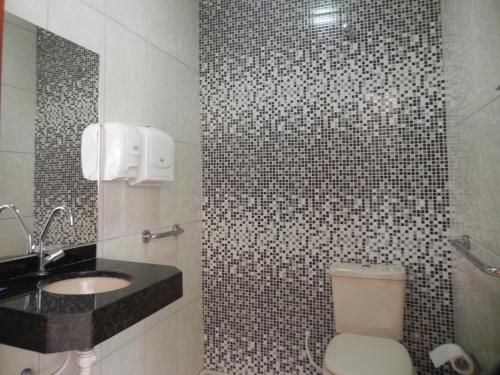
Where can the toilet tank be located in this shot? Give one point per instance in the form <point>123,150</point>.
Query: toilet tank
<point>369,299</point>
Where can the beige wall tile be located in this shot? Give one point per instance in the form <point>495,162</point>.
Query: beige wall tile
<point>189,262</point>
<point>190,338</point>
<point>188,105</point>
<point>14,360</point>
<point>124,209</point>
<point>17,126</point>
<point>114,219</point>
<point>163,250</point>
<point>162,205</point>
<point>34,11</point>
<point>128,248</point>
<point>17,182</point>
<point>188,173</point>
<point>128,360</point>
<point>161,349</point>
<point>161,315</point>
<point>19,57</point>
<point>125,75</point>
<point>129,13</point>
<point>99,5</point>
<point>121,339</point>
<point>162,90</point>
<point>170,27</point>
<point>49,363</point>
<point>78,22</point>
<point>12,237</point>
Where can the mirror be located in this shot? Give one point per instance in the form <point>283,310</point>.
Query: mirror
<point>471,41</point>
<point>49,94</point>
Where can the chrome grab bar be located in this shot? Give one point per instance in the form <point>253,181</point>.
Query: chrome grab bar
<point>463,246</point>
<point>148,236</point>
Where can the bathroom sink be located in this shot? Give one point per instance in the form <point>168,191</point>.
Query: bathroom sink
<point>86,285</point>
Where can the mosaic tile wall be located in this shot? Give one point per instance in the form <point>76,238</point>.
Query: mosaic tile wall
<point>318,146</point>
<point>67,101</point>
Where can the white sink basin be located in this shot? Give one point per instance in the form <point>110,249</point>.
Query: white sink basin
<point>86,285</point>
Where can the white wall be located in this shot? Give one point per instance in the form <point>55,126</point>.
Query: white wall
<point>149,75</point>
<point>471,41</point>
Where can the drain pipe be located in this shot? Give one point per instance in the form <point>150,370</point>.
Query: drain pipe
<point>85,361</point>
<point>63,366</point>
<point>309,356</point>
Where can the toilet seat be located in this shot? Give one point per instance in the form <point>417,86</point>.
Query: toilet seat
<point>352,354</point>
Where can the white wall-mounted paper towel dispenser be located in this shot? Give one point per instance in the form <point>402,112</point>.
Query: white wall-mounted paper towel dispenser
<point>157,161</point>
<point>90,152</point>
<point>143,156</point>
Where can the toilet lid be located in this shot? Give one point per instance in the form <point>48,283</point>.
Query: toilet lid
<point>351,354</point>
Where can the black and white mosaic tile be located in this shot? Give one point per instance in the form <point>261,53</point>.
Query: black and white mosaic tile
<point>67,101</point>
<point>319,146</point>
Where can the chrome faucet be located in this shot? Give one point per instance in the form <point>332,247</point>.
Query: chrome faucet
<point>17,215</point>
<point>45,259</point>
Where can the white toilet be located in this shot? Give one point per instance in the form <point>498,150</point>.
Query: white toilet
<point>368,307</point>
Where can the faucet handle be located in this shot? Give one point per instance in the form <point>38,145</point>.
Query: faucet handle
<point>52,257</point>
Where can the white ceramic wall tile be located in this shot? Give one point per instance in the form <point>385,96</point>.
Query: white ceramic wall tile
<point>162,90</point>
<point>100,5</point>
<point>97,368</point>
<point>49,363</point>
<point>12,237</point>
<point>161,349</point>
<point>121,339</point>
<point>190,338</point>
<point>128,360</point>
<point>125,75</point>
<point>130,13</point>
<point>113,214</point>
<point>170,26</point>
<point>128,248</point>
<point>188,105</point>
<point>188,173</point>
<point>14,360</point>
<point>159,316</point>
<point>162,24</point>
<point>162,205</point>
<point>77,22</point>
<point>18,120</point>
<point>135,203</point>
<point>187,34</point>
<point>162,251</point>
<point>124,209</point>
<point>189,262</point>
<point>17,182</point>
<point>34,11</point>
<point>471,34</point>
<point>19,57</point>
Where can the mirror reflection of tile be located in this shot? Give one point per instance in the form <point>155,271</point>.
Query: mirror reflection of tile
<point>67,82</point>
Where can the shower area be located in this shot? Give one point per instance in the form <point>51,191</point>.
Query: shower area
<point>348,131</point>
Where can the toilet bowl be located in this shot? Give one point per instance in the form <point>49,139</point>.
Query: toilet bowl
<point>352,354</point>
<point>368,313</point>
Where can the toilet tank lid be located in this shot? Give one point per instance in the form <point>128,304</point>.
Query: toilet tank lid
<point>368,271</point>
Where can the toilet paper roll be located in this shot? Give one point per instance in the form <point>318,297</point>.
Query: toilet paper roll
<point>458,358</point>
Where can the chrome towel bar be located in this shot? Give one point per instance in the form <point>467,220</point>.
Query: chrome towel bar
<point>462,245</point>
<point>148,236</point>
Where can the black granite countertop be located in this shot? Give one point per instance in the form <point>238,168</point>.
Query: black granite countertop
<point>47,323</point>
